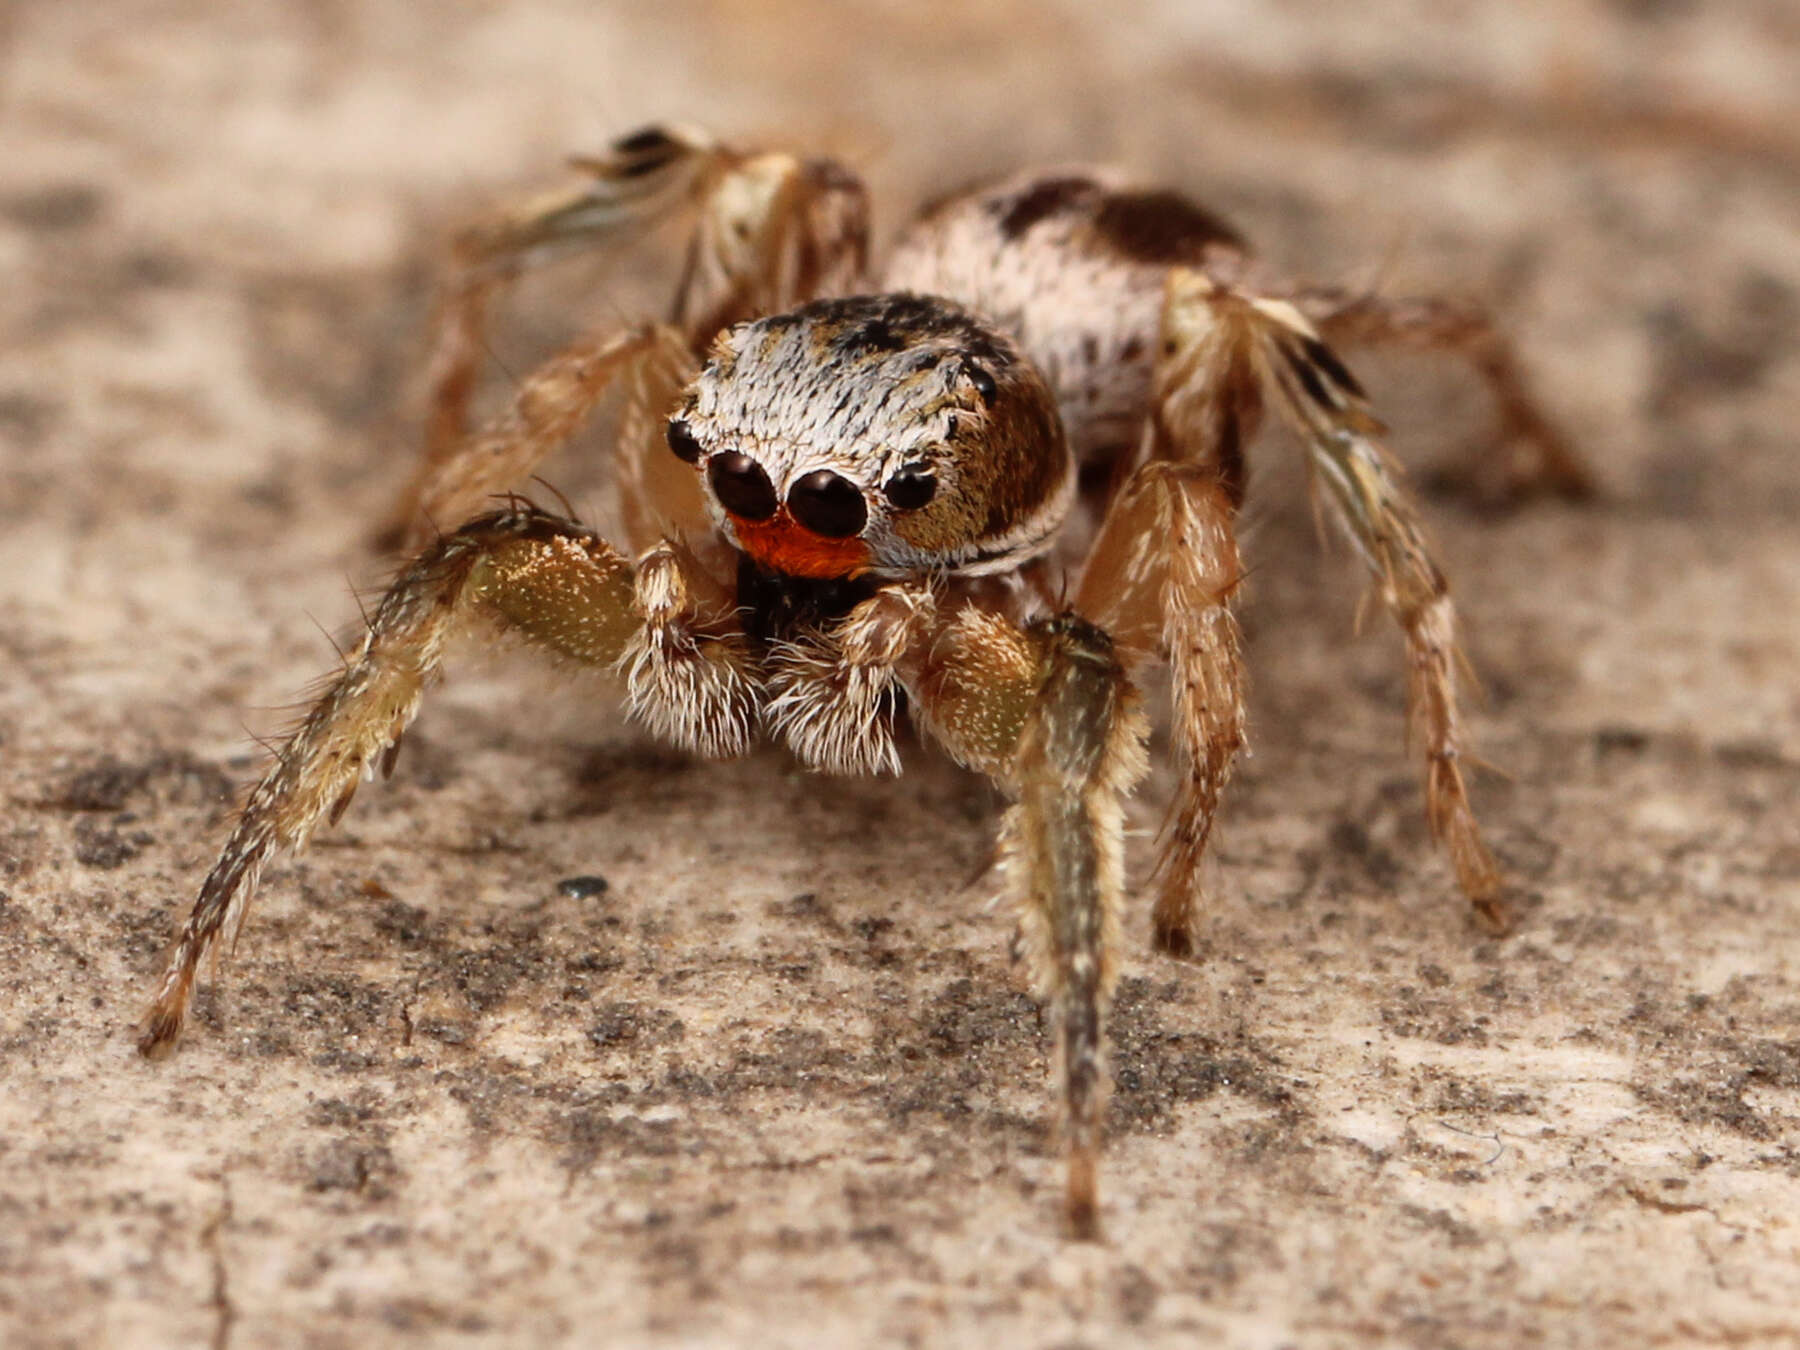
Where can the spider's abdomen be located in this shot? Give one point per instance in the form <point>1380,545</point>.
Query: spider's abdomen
<point>1071,264</point>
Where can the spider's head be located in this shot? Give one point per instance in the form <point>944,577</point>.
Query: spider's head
<point>888,434</point>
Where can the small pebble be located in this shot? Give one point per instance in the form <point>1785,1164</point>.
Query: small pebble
<point>582,888</point>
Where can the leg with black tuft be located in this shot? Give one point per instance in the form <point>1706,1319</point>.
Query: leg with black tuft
<point>643,178</point>
<point>1324,404</point>
<point>772,230</point>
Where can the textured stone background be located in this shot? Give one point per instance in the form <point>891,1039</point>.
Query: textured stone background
<point>779,1084</point>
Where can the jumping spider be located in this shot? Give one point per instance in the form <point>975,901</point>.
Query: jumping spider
<point>990,485</point>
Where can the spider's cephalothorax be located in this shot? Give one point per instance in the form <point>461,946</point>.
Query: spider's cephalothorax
<point>887,434</point>
<point>993,485</point>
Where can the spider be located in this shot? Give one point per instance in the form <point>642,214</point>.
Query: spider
<point>990,486</point>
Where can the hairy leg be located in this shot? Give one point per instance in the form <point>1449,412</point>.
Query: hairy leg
<point>1047,710</point>
<point>970,683</point>
<point>643,178</point>
<point>1536,457</point>
<point>659,495</point>
<point>1328,409</point>
<point>1080,752</point>
<point>550,407</point>
<point>554,583</point>
<point>1160,579</point>
<point>772,230</point>
<point>691,676</point>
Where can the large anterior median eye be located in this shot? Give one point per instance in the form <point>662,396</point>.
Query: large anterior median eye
<point>911,488</point>
<point>828,504</point>
<point>741,486</point>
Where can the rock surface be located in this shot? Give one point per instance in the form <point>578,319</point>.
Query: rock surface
<point>775,1081</point>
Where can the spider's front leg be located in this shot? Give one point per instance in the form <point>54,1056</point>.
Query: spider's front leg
<point>552,582</point>
<point>1081,750</point>
<point>1048,711</point>
<point>832,694</point>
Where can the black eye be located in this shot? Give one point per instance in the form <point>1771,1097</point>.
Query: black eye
<point>983,382</point>
<point>911,488</point>
<point>682,442</point>
<point>828,504</point>
<point>741,486</point>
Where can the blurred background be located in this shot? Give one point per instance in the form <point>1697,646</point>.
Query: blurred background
<point>233,211</point>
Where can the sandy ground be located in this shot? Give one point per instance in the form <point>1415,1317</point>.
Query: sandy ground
<point>777,1083</point>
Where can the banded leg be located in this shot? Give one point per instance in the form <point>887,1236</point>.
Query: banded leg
<point>773,230</point>
<point>550,407</point>
<point>1160,580</point>
<point>1081,750</point>
<point>1049,711</point>
<point>1328,409</point>
<point>645,177</point>
<point>1536,456</point>
<point>554,583</point>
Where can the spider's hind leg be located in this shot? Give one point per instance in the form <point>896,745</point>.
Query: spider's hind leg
<point>1533,456</point>
<point>1208,329</point>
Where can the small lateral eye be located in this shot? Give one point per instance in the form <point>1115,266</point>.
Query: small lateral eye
<point>911,488</point>
<point>983,382</point>
<point>682,442</point>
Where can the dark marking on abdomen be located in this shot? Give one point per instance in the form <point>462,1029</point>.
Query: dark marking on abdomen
<point>1043,199</point>
<point>1160,227</point>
